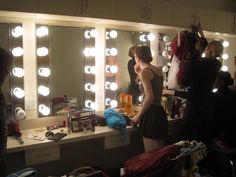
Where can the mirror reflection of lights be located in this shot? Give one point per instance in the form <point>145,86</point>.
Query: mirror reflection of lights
<point>224,68</point>
<point>18,92</point>
<point>225,56</point>
<point>214,90</point>
<point>166,38</point>
<point>113,69</point>
<point>113,51</point>
<point>107,101</point>
<point>87,86</point>
<point>203,55</point>
<point>151,37</point>
<point>87,35</point>
<point>89,52</point>
<point>42,31</point>
<point>88,103</point>
<point>43,109</point>
<point>44,72</point>
<point>43,90</point>
<point>168,64</point>
<point>165,53</point>
<point>94,88</point>
<point>225,44</point>
<point>112,86</point>
<point>91,104</point>
<point>17,52</point>
<point>165,69</point>
<point>42,51</point>
<point>17,31</point>
<point>143,38</point>
<point>18,72</point>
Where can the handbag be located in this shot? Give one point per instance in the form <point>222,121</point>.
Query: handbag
<point>86,171</point>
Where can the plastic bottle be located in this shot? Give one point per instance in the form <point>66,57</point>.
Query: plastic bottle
<point>129,105</point>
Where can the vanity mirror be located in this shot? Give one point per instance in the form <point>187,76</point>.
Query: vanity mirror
<point>61,73</point>
<point>11,39</point>
<point>118,43</point>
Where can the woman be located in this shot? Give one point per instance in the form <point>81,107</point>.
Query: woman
<point>6,60</point>
<point>133,87</point>
<point>152,117</point>
<point>198,113</point>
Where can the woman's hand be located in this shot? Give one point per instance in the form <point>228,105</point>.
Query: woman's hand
<point>135,120</point>
<point>168,92</point>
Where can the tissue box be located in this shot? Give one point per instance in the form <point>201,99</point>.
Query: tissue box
<point>81,120</point>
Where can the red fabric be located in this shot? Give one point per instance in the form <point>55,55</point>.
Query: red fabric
<point>148,161</point>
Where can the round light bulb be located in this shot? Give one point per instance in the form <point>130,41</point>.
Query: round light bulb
<point>225,44</point>
<point>165,69</point>
<point>17,52</point>
<point>113,86</point>
<point>44,72</point>
<point>42,31</point>
<point>17,31</point>
<point>42,51</point>
<point>166,38</point>
<point>113,51</point>
<point>224,68</point>
<point>151,37</point>
<point>44,91</point>
<point>18,92</point>
<point>113,103</point>
<point>113,69</point>
<point>225,56</point>
<point>113,34</point>
<point>93,33</point>
<point>18,72</point>
<point>43,109</point>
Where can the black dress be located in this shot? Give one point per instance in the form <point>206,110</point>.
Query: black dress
<point>153,123</point>
<point>198,113</point>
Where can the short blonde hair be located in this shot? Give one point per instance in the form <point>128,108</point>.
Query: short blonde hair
<point>216,48</point>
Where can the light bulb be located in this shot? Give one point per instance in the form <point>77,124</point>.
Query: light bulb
<point>93,33</point>
<point>19,113</point>
<point>43,109</point>
<point>93,88</point>
<point>17,31</point>
<point>113,103</point>
<point>43,90</point>
<point>17,52</point>
<point>94,106</point>
<point>88,103</point>
<point>113,86</point>
<point>225,44</point>
<point>113,69</point>
<point>214,90</point>
<point>42,31</point>
<point>113,34</point>
<point>165,69</point>
<point>18,72</point>
<point>42,51</point>
<point>166,38</point>
<point>113,51</point>
<point>203,55</point>
<point>87,86</point>
<point>143,38</point>
<point>107,85</point>
<point>224,68</point>
<point>107,101</point>
<point>165,53</point>
<point>225,56</point>
<point>18,92</point>
<point>153,53</point>
<point>151,37</point>
<point>44,72</point>
<point>87,35</point>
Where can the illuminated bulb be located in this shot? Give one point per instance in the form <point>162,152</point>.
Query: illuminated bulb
<point>93,88</point>
<point>44,72</point>
<point>113,51</point>
<point>107,101</point>
<point>18,72</point>
<point>140,98</point>
<point>17,31</point>
<point>18,92</point>
<point>94,106</point>
<point>93,33</point>
<point>88,86</point>
<point>19,113</point>
<point>224,68</point>
<point>225,56</point>
<point>113,103</point>
<point>165,69</point>
<point>107,85</point>
<point>225,44</point>
<point>142,38</point>
<point>42,90</point>
<point>113,69</point>
<point>151,37</point>
<point>42,31</point>
<point>165,53</point>
<point>88,103</point>
<point>113,86</point>
<point>203,55</point>
<point>42,51</point>
<point>93,70</point>
<point>107,52</point>
<point>214,90</point>
<point>17,52</point>
<point>113,34</point>
<point>166,38</point>
<point>43,109</point>
<point>87,35</point>
<point>168,64</point>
